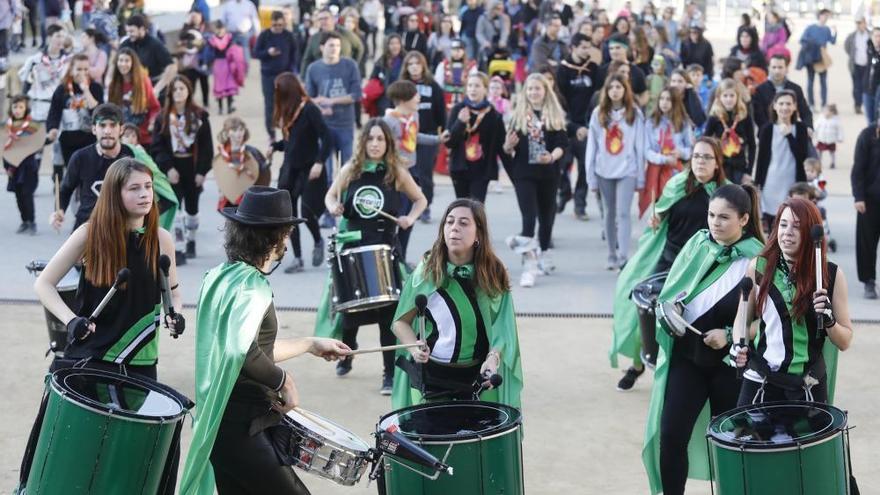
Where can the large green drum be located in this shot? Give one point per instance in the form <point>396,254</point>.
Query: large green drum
<point>103,433</point>
<point>780,448</point>
<point>483,441</point>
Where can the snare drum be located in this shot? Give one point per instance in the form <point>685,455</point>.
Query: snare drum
<point>669,315</point>
<point>364,278</point>
<point>321,447</point>
<point>103,432</point>
<point>480,441</point>
<point>645,293</point>
<point>783,448</point>
<point>67,290</point>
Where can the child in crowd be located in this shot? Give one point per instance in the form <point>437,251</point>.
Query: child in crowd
<point>233,147</point>
<point>814,190</point>
<point>656,81</point>
<point>499,98</point>
<point>829,132</point>
<point>704,85</point>
<point>24,177</point>
<point>229,68</point>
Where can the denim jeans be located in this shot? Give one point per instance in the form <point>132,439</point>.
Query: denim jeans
<point>343,140</point>
<point>244,40</point>
<point>869,104</point>
<point>823,86</point>
<point>858,81</point>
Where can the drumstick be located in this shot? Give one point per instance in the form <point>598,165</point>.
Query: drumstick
<point>57,198</point>
<point>385,348</point>
<point>314,417</point>
<point>687,325</point>
<point>380,212</point>
<point>653,208</point>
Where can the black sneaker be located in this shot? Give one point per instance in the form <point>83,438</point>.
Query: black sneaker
<point>318,253</point>
<point>190,249</point>
<point>180,258</point>
<point>629,379</point>
<point>32,228</point>
<point>295,267</point>
<point>22,228</point>
<point>387,385</point>
<point>870,290</point>
<point>343,367</point>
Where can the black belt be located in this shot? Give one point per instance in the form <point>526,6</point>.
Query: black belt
<point>436,380</point>
<point>815,370</point>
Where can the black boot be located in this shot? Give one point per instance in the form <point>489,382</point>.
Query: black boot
<point>190,249</point>
<point>179,258</point>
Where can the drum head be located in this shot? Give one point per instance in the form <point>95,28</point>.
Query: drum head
<point>776,425</point>
<point>669,323</point>
<point>645,293</point>
<point>329,430</point>
<point>70,281</point>
<point>452,421</point>
<point>116,394</point>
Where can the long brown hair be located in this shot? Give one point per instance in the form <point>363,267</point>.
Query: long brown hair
<point>192,111</point>
<point>677,114</point>
<point>804,267</point>
<point>289,95</point>
<point>105,250</point>
<point>79,57</point>
<point>490,275</point>
<point>605,101</point>
<point>427,76</point>
<point>692,184</point>
<point>393,163</point>
<point>139,80</point>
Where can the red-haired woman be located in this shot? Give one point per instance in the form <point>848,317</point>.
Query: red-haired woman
<point>306,146</point>
<point>131,89</point>
<point>787,356</point>
<point>183,149</point>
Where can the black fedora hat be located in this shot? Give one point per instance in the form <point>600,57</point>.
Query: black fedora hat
<point>263,206</point>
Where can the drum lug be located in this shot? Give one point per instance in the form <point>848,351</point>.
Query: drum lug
<point>335,299</point>
<point>357,293</point>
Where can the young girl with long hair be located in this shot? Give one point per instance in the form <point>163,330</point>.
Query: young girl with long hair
<point>183,149</point>
<point>615,162</point>
<point>460,274</point>
<point>130,88</point>
<point>730,121</point>
<point>536,141</point>
<point>306,146</point>
<point>669,138</point>
<point>378,169</point>
<point>70,114</point>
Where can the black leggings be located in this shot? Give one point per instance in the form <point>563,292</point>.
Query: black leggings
<point>186,190</point>
<point>687,388</point>
<point>25,202</point>
<point>245,464</point>
<point>194,76</point>
<point>312,193</point>
<point>467,187</point>
<point>537,201</point>
<point>384,317</point>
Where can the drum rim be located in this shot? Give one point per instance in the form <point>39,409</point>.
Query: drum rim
<point>662,320</point>
<point>330,441</point>
<point>352,305</point>
<point>816,439</point>
<point>655,276</point>
<point>515,423</point>
<point>364,249</point>
<point>92,406</point>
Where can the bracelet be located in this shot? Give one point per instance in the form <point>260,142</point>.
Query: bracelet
<point>174,286</point>
<point>729,331</point>
<point>828,319</point>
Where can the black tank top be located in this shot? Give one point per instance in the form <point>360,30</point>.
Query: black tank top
<point>125,331</point>
<point>362,197</point>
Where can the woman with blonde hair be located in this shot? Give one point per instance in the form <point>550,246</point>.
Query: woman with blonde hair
<point>536,141</point>
<point>730,121</point>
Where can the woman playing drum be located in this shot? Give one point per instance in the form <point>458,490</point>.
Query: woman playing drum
<point>366,193</point>
<point>678,214</point>
<point>470,326</point>
<point>702,289</point>
<point>789,358</point>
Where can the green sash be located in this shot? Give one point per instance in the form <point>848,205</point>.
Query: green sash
<point>625,328</point>
<point>685,281</point>
<point>500,320</point>
<point>233,301</point>
<point>161,187</point>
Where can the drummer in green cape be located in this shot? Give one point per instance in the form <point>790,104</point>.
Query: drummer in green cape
<point>678,214</point>
<point>373,181</point>
<point>704,281</point>
<point>470,324</point>
<point>164,193</point>
<point>241,393</point>
<point>789,357</point>
<point>121,232</point>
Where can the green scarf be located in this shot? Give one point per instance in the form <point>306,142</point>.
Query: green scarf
<point>373,166</point>
<point>233,301</point>
<point>161,186</point>
<point>625,329</point>
<point>500,319</point>
<point>686,281</point>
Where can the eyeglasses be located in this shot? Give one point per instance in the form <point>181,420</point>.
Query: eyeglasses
<point>697,157</point>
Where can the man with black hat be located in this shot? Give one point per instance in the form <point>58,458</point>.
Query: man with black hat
<point>87,166</point>
<point>242,394</point>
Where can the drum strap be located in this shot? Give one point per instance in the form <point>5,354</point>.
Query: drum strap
<point>814,373</point>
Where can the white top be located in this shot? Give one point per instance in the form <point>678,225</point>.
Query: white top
<point>829,130</point>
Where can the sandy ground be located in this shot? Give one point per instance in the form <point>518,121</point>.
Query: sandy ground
<point>581,437</point>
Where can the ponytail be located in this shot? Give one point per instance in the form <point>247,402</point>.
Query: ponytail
<point>744,199</point>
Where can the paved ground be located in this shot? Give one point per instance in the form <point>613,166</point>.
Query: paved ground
<point>581,436</point>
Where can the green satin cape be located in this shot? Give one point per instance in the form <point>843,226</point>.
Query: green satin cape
<point>692,264</point>
<point>161,187</point>
<point>500,320</point>
<point>233,301</point>
<point>625,337</point>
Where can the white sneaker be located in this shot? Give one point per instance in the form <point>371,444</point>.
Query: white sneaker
<point>527,279</point>
<point>545,262</point>
<point>611,265</point>
<point>496,187</point>
<point>521,244</point>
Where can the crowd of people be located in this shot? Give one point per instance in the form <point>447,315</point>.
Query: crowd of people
<point>719,153</point>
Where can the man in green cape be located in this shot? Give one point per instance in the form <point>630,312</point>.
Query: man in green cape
<point>236,352</point>
<point>500,320</point>
<point>697,263</point>
<point>625,338</point>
